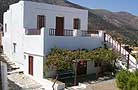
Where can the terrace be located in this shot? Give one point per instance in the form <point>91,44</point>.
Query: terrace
<point>48,38</point>
<point>66,32</point>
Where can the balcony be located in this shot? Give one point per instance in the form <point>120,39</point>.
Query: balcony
<point>70,39</point>
<point>66,32</point>
<point>32,32</point>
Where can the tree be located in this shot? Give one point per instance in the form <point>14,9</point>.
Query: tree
<point>62,59</point>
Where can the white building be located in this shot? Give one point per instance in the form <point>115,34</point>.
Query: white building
<point>31,29</point>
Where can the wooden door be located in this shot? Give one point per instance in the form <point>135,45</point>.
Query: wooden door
<point>40,21</point>
<point>31,65</point>
<point>82,68</point>
<point>59,26</point>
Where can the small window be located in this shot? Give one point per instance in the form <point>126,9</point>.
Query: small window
<point>14,47</point>
<point>76,23</point>
<point>5,27</point>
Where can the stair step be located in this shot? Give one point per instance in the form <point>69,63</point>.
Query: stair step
<point>15,71</point>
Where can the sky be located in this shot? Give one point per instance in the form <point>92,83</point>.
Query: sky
<point>130,6</point>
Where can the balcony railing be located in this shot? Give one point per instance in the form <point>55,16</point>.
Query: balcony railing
<point>85,34</point>
<point>88,33</point>
<point>32,32</point>
<point>66,32</point>
<point>52,32</point>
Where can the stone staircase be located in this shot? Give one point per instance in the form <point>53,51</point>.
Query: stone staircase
<point>17,79</point>
<point>125,60</point>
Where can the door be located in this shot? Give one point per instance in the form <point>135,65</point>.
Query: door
<point>82,68</point>
<point>31,65</point>
<point>59,26</point>
<point>40,21</point>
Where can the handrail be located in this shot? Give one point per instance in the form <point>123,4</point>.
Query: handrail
<point>115,44</point>
<point>66,32</point>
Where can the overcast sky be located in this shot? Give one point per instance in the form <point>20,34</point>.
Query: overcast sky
<point>112,5</point>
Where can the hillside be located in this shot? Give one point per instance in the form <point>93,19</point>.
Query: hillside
<point>122,25</point>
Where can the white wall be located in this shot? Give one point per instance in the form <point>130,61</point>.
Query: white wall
<point>14,19</point>
<point>70,42</point>
<point>34,46</point>
<point>37,65</point>
<point>6,40</point>
<point>32,9</point>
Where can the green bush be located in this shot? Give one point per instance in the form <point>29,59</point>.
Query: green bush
<point>132,83</point>
<point>122,79</point>
<point>126,80</point>
<point>62,59</point>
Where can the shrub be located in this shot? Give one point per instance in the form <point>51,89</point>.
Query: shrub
<point>132,83</point>
<point>127,81</point>
<point>62,59</point>
<point>122,79</point>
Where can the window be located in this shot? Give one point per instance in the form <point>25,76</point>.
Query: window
<point>40,21</point>
<point>76,23</point>
<point>14,47</point>
<point>5,27</point>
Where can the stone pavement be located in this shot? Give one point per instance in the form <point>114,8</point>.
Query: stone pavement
<point>23,82</point>
<point>103,85</point>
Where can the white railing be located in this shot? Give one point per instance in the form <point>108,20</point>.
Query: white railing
<point>66,32</point>
<point>117,46</point>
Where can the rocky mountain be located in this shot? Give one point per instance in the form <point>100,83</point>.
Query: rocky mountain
<point>120,19</point>
<point>122,25</point>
